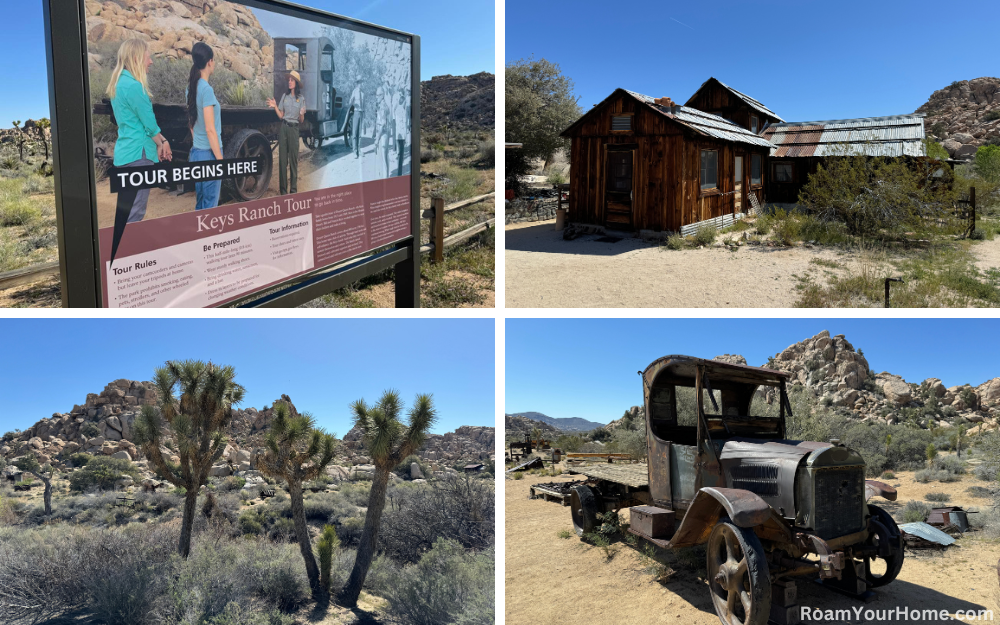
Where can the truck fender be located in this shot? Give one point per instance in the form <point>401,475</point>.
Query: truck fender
<point>744,509</point>
<point>881,489</point>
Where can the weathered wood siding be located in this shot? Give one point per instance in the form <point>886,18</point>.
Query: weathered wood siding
<point>720,101</point>
<point>666,186</point>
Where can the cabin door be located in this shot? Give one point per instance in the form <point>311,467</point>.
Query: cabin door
<point>738,185</point>
<point>618,189</point>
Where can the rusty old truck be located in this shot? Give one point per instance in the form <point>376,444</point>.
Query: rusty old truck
<point>768,509</point>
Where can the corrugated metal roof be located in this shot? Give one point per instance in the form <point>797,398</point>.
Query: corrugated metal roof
<point>895,135</point>
<point>705,123</point>
<point>927,532</point>
<point>754,103</point>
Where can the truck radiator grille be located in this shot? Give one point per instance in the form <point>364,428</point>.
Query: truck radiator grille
<point>761,479</point>
<point>839,497</point>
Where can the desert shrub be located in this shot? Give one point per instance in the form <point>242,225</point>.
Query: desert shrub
<point>18,212</point>
<point>158,503</point>
<point>90,430</point>
<point>556,177</point>
<point>447,585</point>
<point>244,572</point>
<point>356,493</point>
<point>350,530</point>
<point>459,508</point>
<point>979,491</point>
<point>937,497</point>
<point>785,229</point>
<point>428,155</point>
<point>915,511</point>
<point>517,476</point>
<point>230,483</point>
<point>923,476</point>
<point>888,475</point>
<point>485,155</point>
<point>102,472</point>
<point>874,196</point>
<point>80,459</point>
<point>950,464</point>
<point>705,235</point>
<point>216,23</point>
<point>674,242</point>
<point>632,442</point>
<point>403,468</point>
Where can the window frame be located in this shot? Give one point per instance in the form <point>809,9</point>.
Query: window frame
<point>760,169</point>
<point>714,189</point>
<point>754,124</point>
<point>774,175</point>
<point>631,123</point>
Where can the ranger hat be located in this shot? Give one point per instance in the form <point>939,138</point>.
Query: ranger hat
<point>294,74</point>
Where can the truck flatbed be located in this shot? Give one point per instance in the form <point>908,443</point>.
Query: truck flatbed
<point>634,475</point>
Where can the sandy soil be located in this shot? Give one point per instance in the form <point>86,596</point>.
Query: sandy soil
<point>551,579</point>
<point>44,293</point>
<point>544,271</point>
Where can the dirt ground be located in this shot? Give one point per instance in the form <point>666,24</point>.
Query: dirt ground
<point>551,579</point>
<point>544,271</point>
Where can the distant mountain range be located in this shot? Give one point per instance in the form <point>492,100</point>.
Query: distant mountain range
<point>570,424</point>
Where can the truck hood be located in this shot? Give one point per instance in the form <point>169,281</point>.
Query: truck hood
<point>747,448</point>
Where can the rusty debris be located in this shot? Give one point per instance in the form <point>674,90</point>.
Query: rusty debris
<point>949,519</point>
<point>923,536</point>
<point>534,463</point>
<point>554,491</point>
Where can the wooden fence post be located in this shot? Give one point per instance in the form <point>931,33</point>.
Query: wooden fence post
<point>972,205</point>
<point>437,228</point>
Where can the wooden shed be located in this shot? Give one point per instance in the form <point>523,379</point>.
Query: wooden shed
<point>718,98</point>
<point>642,163</point>
<point>799,147</point>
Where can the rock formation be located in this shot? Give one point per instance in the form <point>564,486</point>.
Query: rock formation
<point>961,116</point>
<point>458,102</point>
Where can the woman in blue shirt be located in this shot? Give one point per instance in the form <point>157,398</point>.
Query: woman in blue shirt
<point>205,121</point>
<point>139,140</point>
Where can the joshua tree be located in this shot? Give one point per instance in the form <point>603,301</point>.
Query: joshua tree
<point>40,127</point>
<point>298,452</point>
<point>20,138</point>
<point>388,442</point>
<point>197,415</point>
<point>30,464</point>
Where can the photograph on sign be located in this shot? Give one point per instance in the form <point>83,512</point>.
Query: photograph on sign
<point>237,148</point>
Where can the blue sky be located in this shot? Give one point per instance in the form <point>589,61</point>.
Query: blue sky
<point>457,38</point>
<point>805,60</point>
<point>587,367</point>
<point>321,364</point>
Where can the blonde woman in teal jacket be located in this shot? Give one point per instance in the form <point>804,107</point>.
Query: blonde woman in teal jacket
<point>139,139</point>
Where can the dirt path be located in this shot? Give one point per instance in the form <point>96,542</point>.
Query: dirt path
<point>551,579</point>
<point>987,254</point>
<point>544,271</point>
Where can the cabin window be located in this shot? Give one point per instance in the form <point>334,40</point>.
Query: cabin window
<point>753,124</point>
<point>755,169</point>
<point>339,101</point>
<point>782,172</point>
<point>709,169</point>
<point>621,123</point>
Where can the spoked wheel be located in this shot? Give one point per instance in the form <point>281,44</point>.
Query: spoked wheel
<point>249,143</point>
<point>738,578</point>
<point>884,567</point>
<point>313,141</point>
<point>583,507</point>
<point>348,124</point>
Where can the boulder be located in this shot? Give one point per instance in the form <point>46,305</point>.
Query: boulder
<point>895,388</point>
<point>220,470</point>
<point>415,472</point>
<point>121,455</point>
<point>951,145</point>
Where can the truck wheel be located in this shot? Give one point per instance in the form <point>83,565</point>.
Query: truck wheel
<point>249,143</point>
<point>738,578</point>
<point>583,507</point>
<point>884,567</point>
<point>348,124</point>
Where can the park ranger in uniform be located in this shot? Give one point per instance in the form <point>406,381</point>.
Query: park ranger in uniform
<point>292,111</point>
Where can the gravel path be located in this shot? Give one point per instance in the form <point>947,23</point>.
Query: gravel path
<point>544,271</point>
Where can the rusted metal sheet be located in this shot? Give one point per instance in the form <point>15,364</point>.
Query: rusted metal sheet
<point>534,463</point>
<point>554,491</point>
<point>875,488</point>
<point>742,507</point>
<point>634,475</point>
<point>895,135</point>
<point>949,518</point>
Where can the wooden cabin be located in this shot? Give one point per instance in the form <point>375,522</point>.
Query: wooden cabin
<point>715,97</point>
<point>642,163</point>
<point>799,147</point>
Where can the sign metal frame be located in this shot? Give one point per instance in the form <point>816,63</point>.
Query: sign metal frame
<point>76,183</point>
